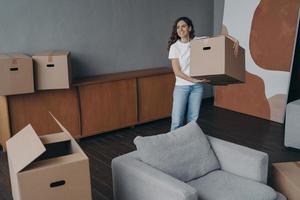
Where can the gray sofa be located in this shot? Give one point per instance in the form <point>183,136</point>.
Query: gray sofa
<point>241,170</point>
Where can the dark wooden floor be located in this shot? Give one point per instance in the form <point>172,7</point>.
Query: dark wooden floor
<point>235,127</point>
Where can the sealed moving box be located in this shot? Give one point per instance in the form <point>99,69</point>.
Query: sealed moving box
<point>214,59</point>
<point>16,74</point>
<point>53,70</point>
<point>286,179</point>
<point>47,167</point>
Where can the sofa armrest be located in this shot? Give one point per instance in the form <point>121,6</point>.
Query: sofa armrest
<point>241,160</point>
<point>135,180</point>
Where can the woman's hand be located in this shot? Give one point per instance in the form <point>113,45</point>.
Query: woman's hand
<point>179,73</point>
<point>200,80</point>
<point>236,42</point>
<point>236,48</point>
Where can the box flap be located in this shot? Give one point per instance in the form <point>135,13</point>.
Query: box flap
<point>61,126</point>
<point>74,143</point>
<point>23,148</point>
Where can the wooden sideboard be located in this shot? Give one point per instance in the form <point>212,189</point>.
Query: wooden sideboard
<point>94,104</point>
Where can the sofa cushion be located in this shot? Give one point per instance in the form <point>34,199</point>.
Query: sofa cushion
<point>184,153</point>
<point>226,186</point>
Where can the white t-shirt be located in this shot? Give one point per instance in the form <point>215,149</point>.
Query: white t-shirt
<point>181,51</point>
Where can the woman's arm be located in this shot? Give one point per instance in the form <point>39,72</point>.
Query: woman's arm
<point>177,71</point>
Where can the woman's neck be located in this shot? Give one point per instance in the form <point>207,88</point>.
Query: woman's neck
<point>185,39</point>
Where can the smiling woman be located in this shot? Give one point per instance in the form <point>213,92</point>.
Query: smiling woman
<point>188,91</point>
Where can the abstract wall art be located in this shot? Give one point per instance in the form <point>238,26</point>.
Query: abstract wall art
<point>267,30</point>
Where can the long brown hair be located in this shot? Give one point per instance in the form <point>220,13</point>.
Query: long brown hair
<point>174,36</point>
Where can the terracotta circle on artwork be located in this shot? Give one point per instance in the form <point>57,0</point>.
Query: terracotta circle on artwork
<point>273,32</point>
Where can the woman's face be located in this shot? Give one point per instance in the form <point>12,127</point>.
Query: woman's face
<point>183,29</point>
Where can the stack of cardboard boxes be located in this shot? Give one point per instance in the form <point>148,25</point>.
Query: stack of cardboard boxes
<point>48,70</point>
<point>50,166</point>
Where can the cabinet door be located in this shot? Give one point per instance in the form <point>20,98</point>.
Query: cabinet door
<point>34,109</point>
<point>108,106</point>
<point>155,97</point>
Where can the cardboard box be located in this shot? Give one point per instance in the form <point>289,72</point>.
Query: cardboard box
<point>286,179</point>
<point>214,59</point>
<point>16,74</point>
<point>52,70</point>
<point>47,167</point>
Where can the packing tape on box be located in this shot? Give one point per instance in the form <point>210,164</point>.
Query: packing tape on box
<point>13,59</point>
<point>205,41</point>
<point>50,60</point>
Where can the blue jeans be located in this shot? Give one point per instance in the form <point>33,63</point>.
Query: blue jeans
<point>186,100</point>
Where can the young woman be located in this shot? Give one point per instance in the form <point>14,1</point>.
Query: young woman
<point>188,91</point>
